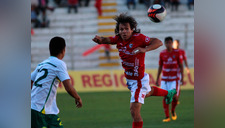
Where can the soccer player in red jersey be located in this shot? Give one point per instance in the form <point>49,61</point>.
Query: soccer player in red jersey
<point>170,60</point>
<point>132,46</point>
<point>176,45</point>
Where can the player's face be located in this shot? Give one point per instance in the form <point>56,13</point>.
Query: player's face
<point>169,44</point>
<point>125,31</point>
<point>175,44</point>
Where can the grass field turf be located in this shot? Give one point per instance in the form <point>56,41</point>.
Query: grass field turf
<point>111,110</point>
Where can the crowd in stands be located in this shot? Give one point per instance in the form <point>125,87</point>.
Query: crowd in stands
<point>39,8</point>
<point>39,17</point>
<point>173,4</point>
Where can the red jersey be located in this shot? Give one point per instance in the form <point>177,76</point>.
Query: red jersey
<point>182,52</point>
<point>73,2</point>
<point>134,65</point>
<point>170,62</point>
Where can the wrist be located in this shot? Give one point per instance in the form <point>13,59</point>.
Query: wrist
<point>77,98</point>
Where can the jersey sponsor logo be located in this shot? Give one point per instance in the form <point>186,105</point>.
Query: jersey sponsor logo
<point>128,64</point>
<point>170,62</point>
<point>181,57</point>
<point>129,73</point>
<point>130,45</point>
<point>136,71</point>
<point>147,39</point>
<point>124,50</point>
<point>136,67</point>
<point>170,59</point>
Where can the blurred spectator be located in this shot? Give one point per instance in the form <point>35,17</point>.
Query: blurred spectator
<point>72,4</point>
<point>107,51</point>
<point>175,5</point>
<point>147,3</point>
<point>131,2</point>
<point>35,22</point>
<point>32,31</point>
<point>161,2</point>
<point>167,3</point>
<point>86,3</point>
<point>98,5</point>
<point>57,2</point>
<point>42,7</point>
<point>190,4</point>
<point>34,2</point>
<point>156,2</point>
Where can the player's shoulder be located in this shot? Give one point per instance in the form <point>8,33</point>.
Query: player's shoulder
<point>54,62</point>
<point>182,51</point>
<point>163,51</point>
<point>177,50</point>
<point>139,35</point>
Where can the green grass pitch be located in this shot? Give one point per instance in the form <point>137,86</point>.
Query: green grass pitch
<point>111,110</point>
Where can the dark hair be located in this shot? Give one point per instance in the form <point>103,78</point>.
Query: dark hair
<point>124,18</point>
<point>56,45</point>
<point>178,41</point>
<point>168,38</point>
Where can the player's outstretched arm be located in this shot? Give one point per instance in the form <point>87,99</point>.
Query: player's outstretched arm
<point>186,66</point>
<point>154,44</point>
<point>182,73</point>
<point>69,88</point>
<point>158,74</point>
<point>101,40</point>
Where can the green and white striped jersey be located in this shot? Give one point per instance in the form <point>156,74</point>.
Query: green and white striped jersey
<point>47,77</point>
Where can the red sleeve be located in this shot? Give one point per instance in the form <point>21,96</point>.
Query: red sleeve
<point>114,39</point>
<point>160,59</point>
<point>180,58</point>
<point>145,40</point>
<point>184,55</point>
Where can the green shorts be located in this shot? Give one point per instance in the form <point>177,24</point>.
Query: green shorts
<point>39,120</point>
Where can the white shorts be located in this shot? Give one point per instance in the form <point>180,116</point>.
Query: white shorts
<point>139,89</point>
<point>170,85</point>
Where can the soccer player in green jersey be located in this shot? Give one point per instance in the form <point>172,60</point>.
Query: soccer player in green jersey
<point>44,83</point>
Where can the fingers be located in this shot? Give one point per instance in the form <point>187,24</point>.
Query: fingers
<point>96,39</point>
<point>79,104</point>
<point>136,51</point>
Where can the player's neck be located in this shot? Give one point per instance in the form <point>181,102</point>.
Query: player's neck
<point>60,56</point>
<point>169,50</point>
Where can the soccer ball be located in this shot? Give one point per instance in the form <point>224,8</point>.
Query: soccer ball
<point>156,13</point>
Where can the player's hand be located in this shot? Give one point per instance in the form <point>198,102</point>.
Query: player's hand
<point>181,81</point>
<point>138,50</point>
<point>78,103</point>
<point>157,83</point>
<point>187,69</point>
<point>97,39</point>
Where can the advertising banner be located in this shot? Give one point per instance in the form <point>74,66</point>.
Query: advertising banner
<point>113,80</point>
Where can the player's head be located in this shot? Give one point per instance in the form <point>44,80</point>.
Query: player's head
<point>57,46</point>
<point>125,26</point>
<point>176,44</point>
<point>168,42</point>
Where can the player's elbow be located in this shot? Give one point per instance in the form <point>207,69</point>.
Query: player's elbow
<point>160,43</point>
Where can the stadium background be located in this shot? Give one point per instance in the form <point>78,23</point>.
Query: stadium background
<point>94,76</point>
